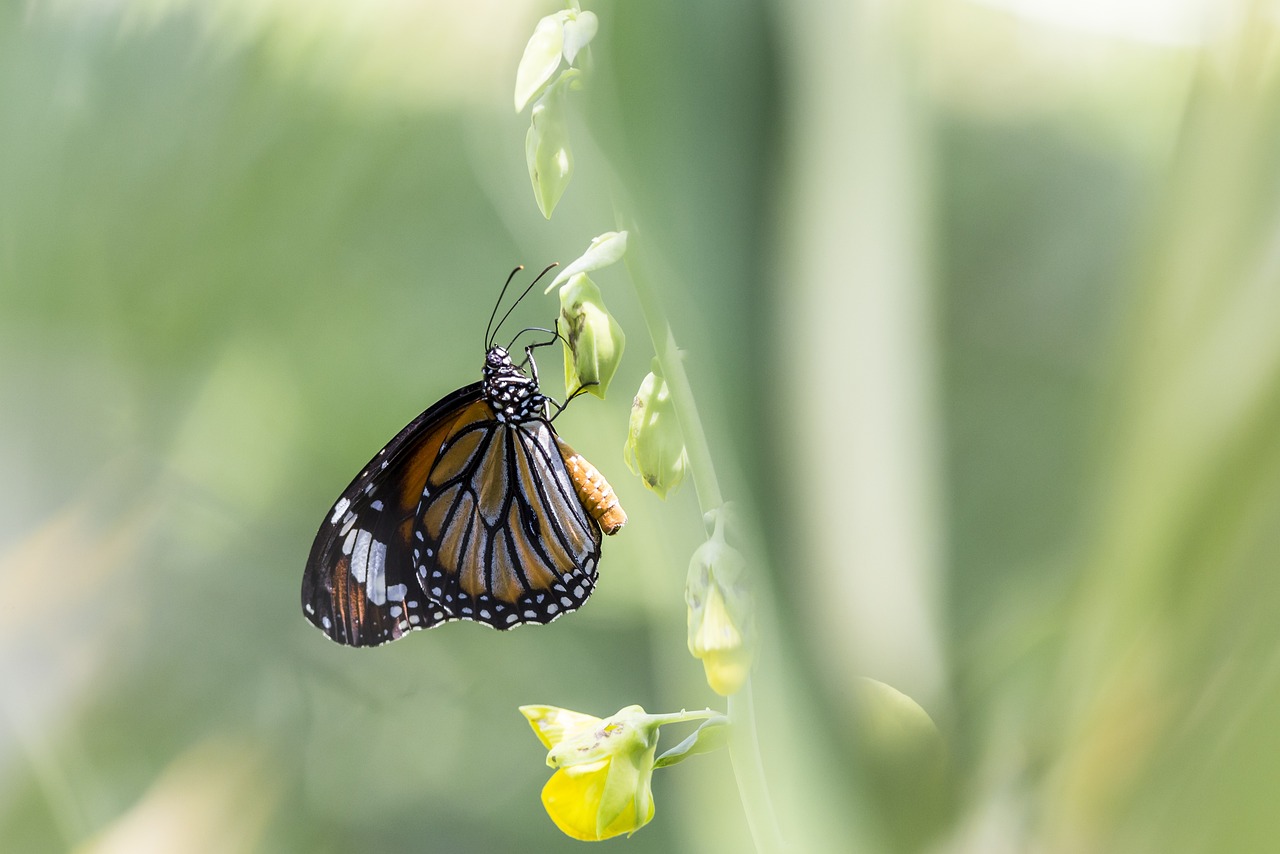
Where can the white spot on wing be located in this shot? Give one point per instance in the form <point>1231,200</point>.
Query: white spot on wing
<point>338,510</point>
<point>376,585</point>
<point>360,556</point>
<point>396,593</point>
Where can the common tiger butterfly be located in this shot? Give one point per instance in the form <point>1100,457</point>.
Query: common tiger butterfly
<point>477,510</point>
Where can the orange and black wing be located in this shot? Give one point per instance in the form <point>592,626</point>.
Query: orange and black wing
<point>360,587</point>
<point>501,535</point>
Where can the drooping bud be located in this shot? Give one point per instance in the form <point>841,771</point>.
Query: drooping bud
<point>579,29</point>
<point>546,146</point>
<point>655,446</point>
<point>562,34</point>
<point>605,249</point>
<point>541,57</point>
<point>721,620</point>
<point>593,339</point>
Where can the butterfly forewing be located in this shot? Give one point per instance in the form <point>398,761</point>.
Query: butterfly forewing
<point>359,586</point>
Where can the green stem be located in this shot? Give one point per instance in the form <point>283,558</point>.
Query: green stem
<point>685,716</point>
<point>748,769</point>
<point>744,745</point>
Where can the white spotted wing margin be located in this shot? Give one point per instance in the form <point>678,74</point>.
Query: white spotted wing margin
<point>359,587</point>
<point>501,537</point>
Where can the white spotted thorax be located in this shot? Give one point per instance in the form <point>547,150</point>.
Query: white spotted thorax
<point>512,395</point>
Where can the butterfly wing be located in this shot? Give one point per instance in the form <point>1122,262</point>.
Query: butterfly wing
<point>359,586</point>
<point>501,536</point>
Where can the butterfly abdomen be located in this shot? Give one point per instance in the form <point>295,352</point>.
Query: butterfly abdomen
<point>595,493</point>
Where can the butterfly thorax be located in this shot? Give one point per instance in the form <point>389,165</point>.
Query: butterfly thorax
<point>512,395</point>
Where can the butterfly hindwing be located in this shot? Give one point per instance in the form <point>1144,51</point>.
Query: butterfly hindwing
<point>359,586</point>
<point>500,535</point>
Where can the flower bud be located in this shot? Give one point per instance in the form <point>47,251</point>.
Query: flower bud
<point>655,446</point>
<point>594,340</point>
<point>605,249</point>
<point>561,34</point>
<point>546,145</point>
<point>720,617</point>
<point>579,29</point>
<point>541,57</point>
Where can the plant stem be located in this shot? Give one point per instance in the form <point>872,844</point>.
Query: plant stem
<point>685,717</point>
<point>748,769</point>
<point>744,745</point>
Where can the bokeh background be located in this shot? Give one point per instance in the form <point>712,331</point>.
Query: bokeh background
<point>981,305</point>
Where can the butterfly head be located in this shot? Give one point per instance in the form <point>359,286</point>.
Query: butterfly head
<point>512,395</point>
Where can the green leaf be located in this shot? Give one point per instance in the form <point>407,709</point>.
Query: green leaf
<point>712,735</point>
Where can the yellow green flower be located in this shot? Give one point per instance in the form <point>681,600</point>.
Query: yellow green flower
<point>601,787</point>
<point>720,617</point>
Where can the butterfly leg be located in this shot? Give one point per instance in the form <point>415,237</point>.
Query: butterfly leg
<point>561,407</point>
<point>528,351</point>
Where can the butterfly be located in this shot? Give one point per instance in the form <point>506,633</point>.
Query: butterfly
<point>477,510</point>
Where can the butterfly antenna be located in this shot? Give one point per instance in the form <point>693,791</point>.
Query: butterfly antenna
<point>489,338</point>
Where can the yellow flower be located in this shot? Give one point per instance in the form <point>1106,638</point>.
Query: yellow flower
<point>601,787</point>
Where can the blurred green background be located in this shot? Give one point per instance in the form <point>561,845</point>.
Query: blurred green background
<point>981,304</point>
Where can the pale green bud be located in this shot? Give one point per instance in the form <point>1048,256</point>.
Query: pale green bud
<point>655,446</point>
<point>604,250</point>
<point>546,146</point>
<point>720,616</point>
<point>562,34</point>
<point>541,57</point>
<point>579,29</point>
<point>594,339</point>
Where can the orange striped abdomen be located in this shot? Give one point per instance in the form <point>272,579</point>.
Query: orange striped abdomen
<point>593,490</point>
